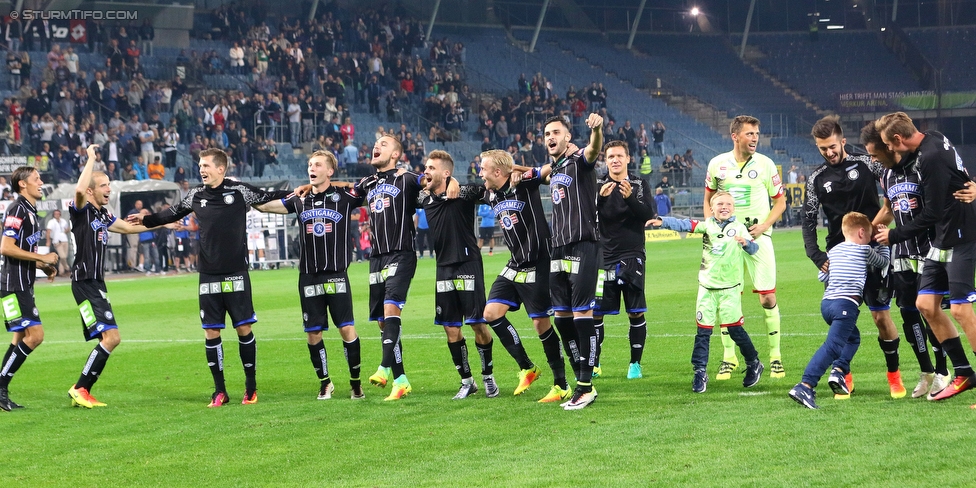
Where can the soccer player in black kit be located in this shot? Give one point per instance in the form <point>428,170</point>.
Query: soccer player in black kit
<point>221,207</point>
<point>625,204</point>
<point>391,198</point>
<point>524,281</point>
<point>575,242</point>
<point>903,201</point>
<point>91,222</point>
<point>951,262</point>
<point>18,248</point>
<point>323,283</point>
<point>460,277</point>
<point>845,183</point>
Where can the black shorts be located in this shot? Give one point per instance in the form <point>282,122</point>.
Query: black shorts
<point>460,297</point>
<point>624,277</point>
<point>325,293</point>
<point>222,295</point>
<point>572,276</point>
<point>95,308</point>
<point>486,233</point>
<point>19,311</point>
<point>527,285</point>
<point>950,272</point>
<point>904,282</point>
<point>877,289</point>
<point>389,280</point>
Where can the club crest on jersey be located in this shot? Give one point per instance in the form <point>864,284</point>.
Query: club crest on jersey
<point>334,197</point>
<point>508,220</point>
<point>318,229</point>
<point>905,205</point>
<point>852,174</point>
<point>557,195</point>
<point>730,232</point>
<point>228,198</point>
<point>380,203</point>
<point>753,174</point>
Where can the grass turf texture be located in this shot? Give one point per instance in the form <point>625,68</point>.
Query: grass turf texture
<point>157,431</point>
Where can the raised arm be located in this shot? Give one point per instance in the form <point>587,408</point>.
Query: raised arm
<point>84,181</point>
<point>595,123</point>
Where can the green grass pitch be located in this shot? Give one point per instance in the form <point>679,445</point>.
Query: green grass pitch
<point>654,431</point>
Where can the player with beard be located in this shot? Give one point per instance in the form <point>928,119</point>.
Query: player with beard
<point>903,201</point>
<point>754,182</point>
<point>221,208</point>
<point>576,248</point>
<point>950,264</point>
<point>391,197</point>
<point>460,282</point>
<point>18,248</point>
<point>625,204</point>
<point>323,281</point>
<point>524,281</point>
<point>91,221</point>
<point>847,183</point>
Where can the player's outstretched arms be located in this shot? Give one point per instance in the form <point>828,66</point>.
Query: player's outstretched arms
<point>124,227</point>
<point>274,206</point>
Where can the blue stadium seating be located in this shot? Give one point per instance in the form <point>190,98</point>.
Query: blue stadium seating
<point>956,60</point>
<point>838,62</point>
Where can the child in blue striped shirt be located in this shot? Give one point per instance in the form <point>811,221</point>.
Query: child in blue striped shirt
<point>847,270</point>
